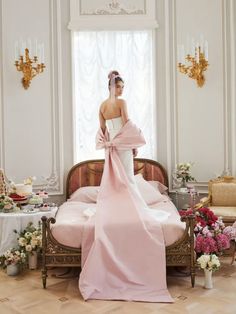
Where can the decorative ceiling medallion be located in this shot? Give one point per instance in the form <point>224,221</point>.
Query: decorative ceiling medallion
<point>115,7</point>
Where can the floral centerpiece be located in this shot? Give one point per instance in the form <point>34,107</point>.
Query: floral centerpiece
<point>7,204</point>
<point>209,261</point>
<point>182,173</point>
<point>210,241</point>
<point>209,232</point>
<point>30,239</point>
<point>12,256</point>
<point>230,231</point>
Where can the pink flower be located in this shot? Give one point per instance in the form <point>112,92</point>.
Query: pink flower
<point>186,212</point>
<point>222,241</point>
<point>205,244</point>
<point>211,234</point>
<point>230,232</point>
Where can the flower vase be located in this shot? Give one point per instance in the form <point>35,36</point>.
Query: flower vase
<point>13,270</point>
<point>33,260</point>
<point>184,185</point>
<point>208,279</point>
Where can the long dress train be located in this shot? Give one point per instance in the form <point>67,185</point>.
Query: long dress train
<point>127,258</point>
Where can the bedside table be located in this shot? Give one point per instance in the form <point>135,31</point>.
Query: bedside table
<point>184,199</point>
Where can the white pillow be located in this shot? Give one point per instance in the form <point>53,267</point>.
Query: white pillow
<point>147,191</point>
<point>159,186</point>
<point>86,194</point>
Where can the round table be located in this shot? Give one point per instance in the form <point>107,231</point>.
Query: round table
<point>18,221</point>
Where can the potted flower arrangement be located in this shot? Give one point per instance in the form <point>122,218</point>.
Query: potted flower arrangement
<point>30,241</point>
<point>7,205</point>
<point>12,259</point>
<point>182,173</point>
<point>210,240</point>
<point>209,263</point>
<point>208,230</point>
<point>230,231</point>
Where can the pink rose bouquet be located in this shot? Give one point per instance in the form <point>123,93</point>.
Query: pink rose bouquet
<point>230,231</point>
<point>209,232</point>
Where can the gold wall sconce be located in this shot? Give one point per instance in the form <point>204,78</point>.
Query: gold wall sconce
<point>194,63</point>
<point>30,67</point>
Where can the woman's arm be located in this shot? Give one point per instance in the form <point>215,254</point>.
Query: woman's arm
<point>125,118</point>
<point>124,111</point>
<point>102,121</point>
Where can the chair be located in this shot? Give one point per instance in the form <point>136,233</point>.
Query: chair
<point>221,198</point>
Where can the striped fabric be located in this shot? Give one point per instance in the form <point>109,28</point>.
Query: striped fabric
<point>89,173</point>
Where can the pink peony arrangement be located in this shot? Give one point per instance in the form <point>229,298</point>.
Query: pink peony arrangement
<point>209,232</point>
<point>230,231</point>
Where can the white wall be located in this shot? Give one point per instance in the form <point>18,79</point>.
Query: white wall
<point>198,123</point>
<point>194,124</point>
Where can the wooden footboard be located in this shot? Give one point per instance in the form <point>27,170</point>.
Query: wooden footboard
<point>54,254</point>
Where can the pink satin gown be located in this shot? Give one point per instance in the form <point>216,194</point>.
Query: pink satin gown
<point>126,261</point>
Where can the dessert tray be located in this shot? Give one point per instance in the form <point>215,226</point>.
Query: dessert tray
<point>29,210</point>
<point>18,198</point>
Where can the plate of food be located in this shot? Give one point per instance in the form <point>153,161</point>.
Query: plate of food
<point>45,208</point>
<point>30,210</point>
<point>18,198</point>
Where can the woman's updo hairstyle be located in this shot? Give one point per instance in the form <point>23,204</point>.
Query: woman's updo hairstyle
<point>114,77</point>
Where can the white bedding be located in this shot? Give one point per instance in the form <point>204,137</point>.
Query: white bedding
<point>71,220</point>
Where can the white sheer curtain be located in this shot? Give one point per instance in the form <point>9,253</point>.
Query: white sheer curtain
<point>95,54</point>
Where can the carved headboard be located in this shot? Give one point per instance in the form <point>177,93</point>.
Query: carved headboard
<point>89,173</point>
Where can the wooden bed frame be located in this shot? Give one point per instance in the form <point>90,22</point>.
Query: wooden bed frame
<point>89,173</point>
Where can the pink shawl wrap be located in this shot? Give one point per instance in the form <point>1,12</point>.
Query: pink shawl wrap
<point>127,258</point>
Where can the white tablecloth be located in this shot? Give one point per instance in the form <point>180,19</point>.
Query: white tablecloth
<point>18,221</point>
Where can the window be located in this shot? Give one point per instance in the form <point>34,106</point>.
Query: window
<point>95,54</point>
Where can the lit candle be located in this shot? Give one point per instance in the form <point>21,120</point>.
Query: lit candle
<point>197,52</point>
<point>206,50</point>
<point>178,54</point>
<point>193,47</point>
<point>42,53</point>
<point>16,50</point>
<point>29,45</point>
<point>35,47</point>
<point>39,53</point>
<point>182,55</point>
<point>21,48</point>
<point>201,42</point>
<point>188,52</point>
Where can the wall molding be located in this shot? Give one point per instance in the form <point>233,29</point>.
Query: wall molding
<point>124,16</point>
<point>232,37</point>
<point>2,160</point>
<point>228,31</point>
<point>227,123</point>
<point>54,179</point>
<point>114,8</point>
<point>172,137</point>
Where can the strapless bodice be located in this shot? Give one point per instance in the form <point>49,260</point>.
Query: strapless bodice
<point>114,125</point>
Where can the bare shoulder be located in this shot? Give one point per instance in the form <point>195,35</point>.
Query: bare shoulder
<point>121,103</point>
<point>103,105</point>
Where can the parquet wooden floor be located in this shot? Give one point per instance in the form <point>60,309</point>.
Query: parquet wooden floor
<point>24,295</point>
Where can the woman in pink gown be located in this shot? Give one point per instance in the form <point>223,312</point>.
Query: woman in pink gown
<point>127,258</point>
